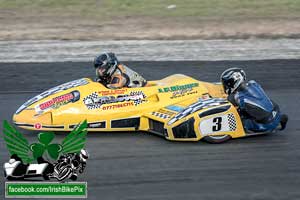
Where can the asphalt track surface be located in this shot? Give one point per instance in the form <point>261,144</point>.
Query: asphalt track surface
<point>143,166</point>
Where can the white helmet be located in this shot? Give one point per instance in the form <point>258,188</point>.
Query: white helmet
<point>232,79</point>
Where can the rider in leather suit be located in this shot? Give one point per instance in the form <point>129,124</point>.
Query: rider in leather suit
<point>115,75</point>
<point>258,112</point>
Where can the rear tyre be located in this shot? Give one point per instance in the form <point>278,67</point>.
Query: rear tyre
<point>217,139</point>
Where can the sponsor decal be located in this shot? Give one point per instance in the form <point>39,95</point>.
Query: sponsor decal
<point>112,92</point>
<point>120,105</point>
<point>52,91</point>
<point>94,101</point>
<point>184,92</point>
<point>38,126</point>
<point>178,87</point>
<point>45,160</point>
<point>58,101</point>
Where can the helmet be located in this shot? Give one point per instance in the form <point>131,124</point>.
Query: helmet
<point>84,155</point>
<point>107,63</point>
<point>232,79</point>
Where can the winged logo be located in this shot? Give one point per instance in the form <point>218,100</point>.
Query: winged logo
<point>17,144</point>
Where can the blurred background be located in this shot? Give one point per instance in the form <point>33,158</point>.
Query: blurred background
<point>148,19</point>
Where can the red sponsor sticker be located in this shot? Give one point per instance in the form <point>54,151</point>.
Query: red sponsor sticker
<point>63,98</point>
<point>38,126</point>
<point>112,92</point>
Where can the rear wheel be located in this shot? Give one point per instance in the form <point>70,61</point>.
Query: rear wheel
<point>216,139</point>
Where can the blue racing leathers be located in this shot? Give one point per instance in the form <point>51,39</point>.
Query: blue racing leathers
<point>258,112</point>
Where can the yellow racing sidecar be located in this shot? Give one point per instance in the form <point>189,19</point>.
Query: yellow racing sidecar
<point>177,107</point>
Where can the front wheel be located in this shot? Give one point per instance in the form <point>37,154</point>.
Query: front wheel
<point>216,139</point>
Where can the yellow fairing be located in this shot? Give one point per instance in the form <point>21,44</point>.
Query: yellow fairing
<point>204,124</point>
<point>127,109</point>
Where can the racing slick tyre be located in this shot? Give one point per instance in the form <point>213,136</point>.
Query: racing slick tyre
<point>216,139</point>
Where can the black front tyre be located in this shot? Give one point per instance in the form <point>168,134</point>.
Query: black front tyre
<point>217,139</point>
